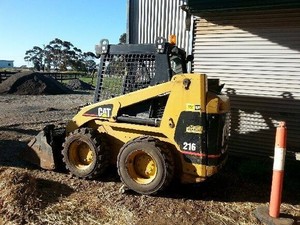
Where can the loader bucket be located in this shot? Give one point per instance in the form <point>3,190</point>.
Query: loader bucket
<point>44,149</point>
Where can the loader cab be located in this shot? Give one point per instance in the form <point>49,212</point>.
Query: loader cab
<point>126,68</point>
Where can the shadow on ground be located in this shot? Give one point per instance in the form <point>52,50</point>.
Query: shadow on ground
<point>14,128</point>
<point>10,153</point>
<point>52,191</point>
<point>241,180</point>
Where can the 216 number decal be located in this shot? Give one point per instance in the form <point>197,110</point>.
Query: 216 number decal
<point>189,146</point>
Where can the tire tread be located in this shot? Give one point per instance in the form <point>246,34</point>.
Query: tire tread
<point>166,154</point>
<point>101,152</point>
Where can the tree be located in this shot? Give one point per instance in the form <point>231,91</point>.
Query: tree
<point>89,61</point>
<point>59,55</point>
<point>122,39</point>
<point>36,56</point>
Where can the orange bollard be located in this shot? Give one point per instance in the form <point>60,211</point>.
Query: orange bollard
<point>278,170</point>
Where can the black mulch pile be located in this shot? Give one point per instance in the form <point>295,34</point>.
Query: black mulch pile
<point>77,84</point>
<point>32,83</point>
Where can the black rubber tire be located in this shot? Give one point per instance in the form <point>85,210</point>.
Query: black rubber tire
<point>158,152</point>
<point>57,142</point>
<point>100,159</point>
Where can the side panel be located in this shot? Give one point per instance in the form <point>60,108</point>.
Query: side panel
<point>190,136</point>
<point>185,106</point>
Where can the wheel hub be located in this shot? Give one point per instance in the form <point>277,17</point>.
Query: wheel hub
<point>141,167</point>
<point>81,154</point>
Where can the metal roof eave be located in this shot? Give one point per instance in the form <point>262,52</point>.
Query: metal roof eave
<point>202,6</point>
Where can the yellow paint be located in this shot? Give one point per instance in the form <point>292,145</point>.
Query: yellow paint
<point>80,154</point>
<point>217,103</point>
<point>193,98</point>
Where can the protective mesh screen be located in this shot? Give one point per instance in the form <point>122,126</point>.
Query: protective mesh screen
<point>124,73</point>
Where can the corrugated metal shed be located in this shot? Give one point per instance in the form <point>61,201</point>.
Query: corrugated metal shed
<point>149,19</point>
<point>256,54</point>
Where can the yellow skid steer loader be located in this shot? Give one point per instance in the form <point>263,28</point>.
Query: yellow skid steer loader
<point>150,118</point>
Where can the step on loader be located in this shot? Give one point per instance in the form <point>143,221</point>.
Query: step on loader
<point>150,118</point>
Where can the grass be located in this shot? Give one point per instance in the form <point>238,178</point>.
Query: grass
<point>114,84</point>
<point>89,80</point>
<point>8,69</point>
<point>86,79</point>
<point>108,82</point>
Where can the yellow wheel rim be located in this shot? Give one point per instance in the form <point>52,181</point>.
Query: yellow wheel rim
<point>80,154</point>
<point>141,167</point>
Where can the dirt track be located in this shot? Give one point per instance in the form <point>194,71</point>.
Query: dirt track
<point>228,198</point>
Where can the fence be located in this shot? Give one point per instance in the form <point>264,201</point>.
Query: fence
<point>57,76</point>
<point>65,76</point>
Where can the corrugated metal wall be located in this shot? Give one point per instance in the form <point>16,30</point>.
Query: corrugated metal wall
<point>256,54</point>
<point>149,19</point>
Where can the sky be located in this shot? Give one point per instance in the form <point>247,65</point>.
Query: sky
<point>28,23</point>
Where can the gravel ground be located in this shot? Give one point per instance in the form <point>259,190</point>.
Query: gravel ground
<point>228,198</point>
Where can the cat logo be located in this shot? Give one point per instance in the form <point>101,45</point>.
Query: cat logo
<point>104,112</point>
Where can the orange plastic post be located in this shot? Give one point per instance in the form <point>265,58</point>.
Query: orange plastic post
<point>278,170</point>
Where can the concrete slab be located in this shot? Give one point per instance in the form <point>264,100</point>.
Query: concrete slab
<point>262,213</point>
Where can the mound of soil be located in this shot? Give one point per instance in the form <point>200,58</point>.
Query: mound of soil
<point>31,83</point>
<point>18,196</point>
<point>77,84</point>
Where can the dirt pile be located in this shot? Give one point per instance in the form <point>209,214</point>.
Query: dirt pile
<point>18,196</point>
<point>77,84</point>
<point>31,83</point>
